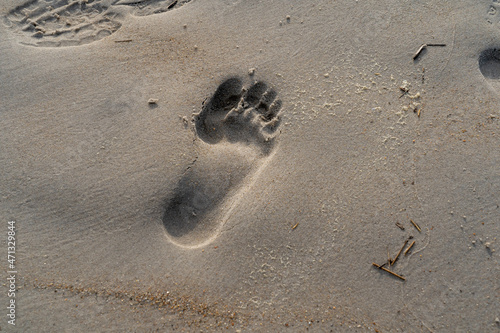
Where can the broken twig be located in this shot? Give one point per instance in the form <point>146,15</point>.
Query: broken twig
<point>409,247</point>
<point>388,271</point>
<point>397,256</point>
<point>422,47</point>
<point>416,226</point>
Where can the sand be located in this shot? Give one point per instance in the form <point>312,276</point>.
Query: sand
<point>212,165</point>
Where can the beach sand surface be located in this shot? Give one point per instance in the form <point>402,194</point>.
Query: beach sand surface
<point>219,164</point>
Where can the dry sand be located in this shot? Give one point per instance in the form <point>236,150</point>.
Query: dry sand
<point>220,164</point>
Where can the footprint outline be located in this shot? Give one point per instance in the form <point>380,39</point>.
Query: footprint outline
<point>246,118</point>
<point>54,23</point>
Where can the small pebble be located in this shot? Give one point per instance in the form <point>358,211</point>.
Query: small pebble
<point>288,18</point>
<point>487,244</point>
<point>326,75</point>
<point>251,71</point>
<point>152,101</point>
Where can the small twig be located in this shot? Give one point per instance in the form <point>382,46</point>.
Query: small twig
<point>388,271</point>
<point>422,47</point>
<point>172,5</point>
<point>409,247</point>
<point>295,226</point>
<point>400,226</point>
<point>404,90</point>
<point>397,256</point>
<point>123,41</point>
<point>417,110</point>
<point>416,226</point>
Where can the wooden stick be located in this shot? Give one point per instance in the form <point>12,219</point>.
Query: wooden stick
<point>172,5</point>
<point>397,256</point>
<point>409,247</point>
<point>400,226</point>
<point>295,226</point>
<point>388,271</point>
<point>415,56</point>
<point>416,226</point>
<point>421,48</point>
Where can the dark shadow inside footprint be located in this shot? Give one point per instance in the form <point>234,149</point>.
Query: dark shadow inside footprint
<point>236,114</point>
<point>184,209</point>
<point>193,200</point>
<point>255,93</point>
<point>489,63</point>
<point>209,121</point>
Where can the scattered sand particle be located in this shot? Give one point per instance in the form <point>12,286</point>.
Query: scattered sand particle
<point>405,86</point>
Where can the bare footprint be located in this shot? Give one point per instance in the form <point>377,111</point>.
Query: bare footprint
<point>237,128</point>
<point>489,65</point>
<point>76,22</point>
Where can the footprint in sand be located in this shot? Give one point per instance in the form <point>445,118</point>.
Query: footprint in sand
<point>76,22</point>
<point>489,65</point>
<point>492,15</point>
<point>237,132</point>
